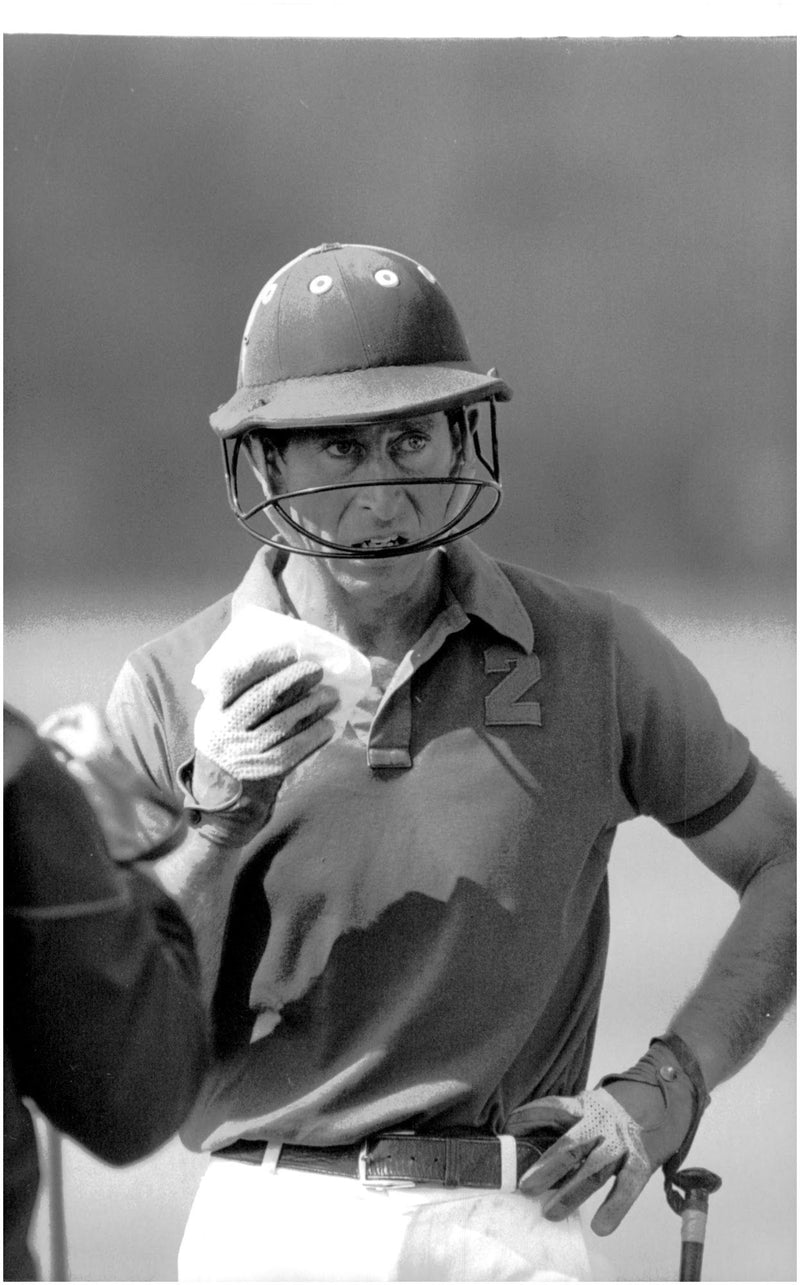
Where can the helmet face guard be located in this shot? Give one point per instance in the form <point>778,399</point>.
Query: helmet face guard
<point>350,336</point>
<point>239,469</point>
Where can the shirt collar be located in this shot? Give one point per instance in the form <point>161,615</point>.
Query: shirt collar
<point>259,587</point>
<point>472,579</point>
<point>481,589</point>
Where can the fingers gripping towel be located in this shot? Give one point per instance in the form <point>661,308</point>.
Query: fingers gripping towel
<point>253,628</point>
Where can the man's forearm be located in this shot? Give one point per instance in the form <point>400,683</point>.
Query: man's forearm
<point>200,876</point>
<point>749,982</point>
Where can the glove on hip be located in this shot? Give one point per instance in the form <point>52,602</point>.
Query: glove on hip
<point>601,1140</point>
<point>624,1129</point>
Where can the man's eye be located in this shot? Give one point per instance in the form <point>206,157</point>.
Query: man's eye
<point>343,449</point>
<point>413,442</point>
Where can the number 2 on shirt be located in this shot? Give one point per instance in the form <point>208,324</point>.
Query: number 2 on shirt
<point>503,704</point>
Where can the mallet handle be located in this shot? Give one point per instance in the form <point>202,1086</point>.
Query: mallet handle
<point>693,1234</point>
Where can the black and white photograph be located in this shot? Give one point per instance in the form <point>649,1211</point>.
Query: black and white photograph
<point>399,651</point>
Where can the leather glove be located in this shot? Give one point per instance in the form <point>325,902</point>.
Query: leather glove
<point>258,720</point>
<point>624,1129</point>
<point>138,821</point>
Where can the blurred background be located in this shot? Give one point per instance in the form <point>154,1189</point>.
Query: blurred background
<point>614,221</point>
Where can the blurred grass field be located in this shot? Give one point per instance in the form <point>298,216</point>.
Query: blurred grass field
<point>667,912</point>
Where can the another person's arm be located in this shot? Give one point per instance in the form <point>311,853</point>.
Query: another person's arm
<point>102,1010</point>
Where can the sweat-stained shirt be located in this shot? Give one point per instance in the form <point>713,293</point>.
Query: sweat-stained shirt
<point>418,937</point>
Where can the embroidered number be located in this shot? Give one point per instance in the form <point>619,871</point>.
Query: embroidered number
<point>503,705</point>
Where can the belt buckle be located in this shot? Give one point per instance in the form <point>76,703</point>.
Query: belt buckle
<point>377,1184</point>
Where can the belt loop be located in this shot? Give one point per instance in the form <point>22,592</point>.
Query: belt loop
<point>451,1175</point>
<point>508,1162</point>
<point>272,1154</point>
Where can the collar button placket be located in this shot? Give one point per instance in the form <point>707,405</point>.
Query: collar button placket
<point>389,742</point>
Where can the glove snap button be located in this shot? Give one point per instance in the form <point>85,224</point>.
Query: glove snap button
<point>668,1073</point>
<point>193,817</point>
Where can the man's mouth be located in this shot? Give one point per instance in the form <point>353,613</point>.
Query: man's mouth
<point>381,542</point>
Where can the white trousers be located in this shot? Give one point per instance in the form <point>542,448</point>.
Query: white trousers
<point>249,1224</point>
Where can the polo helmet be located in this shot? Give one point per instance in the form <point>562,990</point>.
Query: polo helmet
<point>347,336</point>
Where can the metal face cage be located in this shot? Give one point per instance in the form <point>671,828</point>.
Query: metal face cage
<point>489,488</point>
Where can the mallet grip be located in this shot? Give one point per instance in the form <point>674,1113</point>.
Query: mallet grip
<point>693,1235</point>
<point>696,1186</point>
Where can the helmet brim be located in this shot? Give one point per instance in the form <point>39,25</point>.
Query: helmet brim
<point>357,397</point>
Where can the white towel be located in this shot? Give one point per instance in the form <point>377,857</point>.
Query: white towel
<point>251,629</point>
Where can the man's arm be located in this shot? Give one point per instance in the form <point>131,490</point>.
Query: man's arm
<point>258,721</point>
<point>638,1120</point>
<point>750,979</point>
<point>200,876</point>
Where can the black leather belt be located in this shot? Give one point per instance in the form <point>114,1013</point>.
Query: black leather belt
<point>460,1160</point>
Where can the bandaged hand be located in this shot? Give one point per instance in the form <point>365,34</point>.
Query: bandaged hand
<point>257,722</point>
<point>625,1129</point>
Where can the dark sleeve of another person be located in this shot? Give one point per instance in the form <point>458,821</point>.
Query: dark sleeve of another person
<point>103,1018</point>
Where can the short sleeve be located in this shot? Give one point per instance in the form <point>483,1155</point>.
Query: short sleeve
<point>680,758</point>
<point>137,726</point>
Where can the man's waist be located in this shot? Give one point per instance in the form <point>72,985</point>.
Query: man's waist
<point>448,1159</point>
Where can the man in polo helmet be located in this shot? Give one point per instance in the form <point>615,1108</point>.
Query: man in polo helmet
<point>370,339</point>
<point>404,763</point>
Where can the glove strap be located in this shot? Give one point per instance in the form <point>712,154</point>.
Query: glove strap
<point>691,1067</point>
<point>688,1063</point>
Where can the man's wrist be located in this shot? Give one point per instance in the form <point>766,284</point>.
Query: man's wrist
<point>688,1062</point>
<point>216,803</point>
<point>645,1103</point>
<point>669,1068</point>
<point>207,786</point>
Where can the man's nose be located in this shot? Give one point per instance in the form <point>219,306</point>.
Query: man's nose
<point>383,502</point>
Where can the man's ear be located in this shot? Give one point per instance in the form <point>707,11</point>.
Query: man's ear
<point>266,462</point>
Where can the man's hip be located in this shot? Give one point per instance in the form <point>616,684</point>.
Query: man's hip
<point>262,1219</point>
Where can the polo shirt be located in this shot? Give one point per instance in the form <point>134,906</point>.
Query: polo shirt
<point>418,937</point>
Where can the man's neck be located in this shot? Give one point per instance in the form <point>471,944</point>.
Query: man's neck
<point>381,614</point>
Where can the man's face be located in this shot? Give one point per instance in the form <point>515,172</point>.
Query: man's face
<point>369,516</point>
